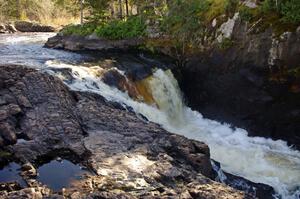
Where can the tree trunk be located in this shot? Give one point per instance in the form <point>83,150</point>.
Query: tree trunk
<point>127,10</point>
<point>18,8</point>
<point>81,12</point>
<point>112,9</point>
<point>120,9</point>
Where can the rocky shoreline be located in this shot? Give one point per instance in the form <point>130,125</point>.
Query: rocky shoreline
<point>91,42</point>
<point>24,26</point>
<point>129,158</point>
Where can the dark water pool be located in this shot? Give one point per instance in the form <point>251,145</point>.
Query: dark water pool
<point>60,174</point>
<point>10,173</point>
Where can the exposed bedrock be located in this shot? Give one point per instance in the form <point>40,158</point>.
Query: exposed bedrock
<point>131,158</point>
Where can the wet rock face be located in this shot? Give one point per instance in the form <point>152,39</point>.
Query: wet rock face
<point>132,158</point>
<point>115,79</point>
<point>245,98</point>
<point>249,85</point>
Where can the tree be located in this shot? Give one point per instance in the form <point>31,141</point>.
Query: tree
<point>127,8</point>
<point>81,12</point>
<point>184,22</point>
<point>98,9</point>
<point>120,10</point>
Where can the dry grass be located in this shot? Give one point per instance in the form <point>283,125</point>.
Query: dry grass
<point>51,15</point>
<point>45,12</point>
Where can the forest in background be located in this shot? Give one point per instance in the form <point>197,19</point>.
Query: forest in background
<point>50,12</point>
<point>98,10</point>
<point>184,20</point>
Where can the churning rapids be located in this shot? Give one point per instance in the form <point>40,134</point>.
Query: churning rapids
<point>257,159</point>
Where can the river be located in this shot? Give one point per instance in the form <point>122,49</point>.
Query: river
<point>258,159</point>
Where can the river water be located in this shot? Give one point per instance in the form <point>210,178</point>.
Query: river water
<point>258,159</point>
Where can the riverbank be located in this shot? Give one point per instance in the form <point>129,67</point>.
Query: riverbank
<point>92,43</point>
<point>42,120</point>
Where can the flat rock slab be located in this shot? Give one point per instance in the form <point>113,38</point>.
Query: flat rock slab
<point>131,158</point>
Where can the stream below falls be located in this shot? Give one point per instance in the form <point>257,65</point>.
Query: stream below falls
<point>159,99</point>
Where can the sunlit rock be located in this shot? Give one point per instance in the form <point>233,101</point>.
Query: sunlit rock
<point>226,29</point>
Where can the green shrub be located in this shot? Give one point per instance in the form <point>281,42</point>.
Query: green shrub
<point>268,6</point>
<point>226,43</point>
<point>231,5</point>
<point>245,13</point>
<point>291,11</point>
<point>118,29</point>
<point>83,30</point>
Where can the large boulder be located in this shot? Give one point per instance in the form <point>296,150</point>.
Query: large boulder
<point>26,26</point>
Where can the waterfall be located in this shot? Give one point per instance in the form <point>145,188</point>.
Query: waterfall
<point>258,159</point>
<point>166,93</point>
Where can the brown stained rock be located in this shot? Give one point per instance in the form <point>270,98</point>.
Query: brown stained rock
<point>115,79</point>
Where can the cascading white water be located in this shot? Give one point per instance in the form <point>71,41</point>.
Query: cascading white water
<point>257,159</point>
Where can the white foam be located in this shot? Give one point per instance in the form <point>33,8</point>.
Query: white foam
<point>257,159</point>
<point>25,38</point>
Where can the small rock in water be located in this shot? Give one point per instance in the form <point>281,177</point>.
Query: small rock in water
<point>28,170</point>
<point>59,159</point>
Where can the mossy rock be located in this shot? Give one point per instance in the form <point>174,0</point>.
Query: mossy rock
<point>5,154</point>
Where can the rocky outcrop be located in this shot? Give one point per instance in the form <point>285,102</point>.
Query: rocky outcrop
<point>26,26</point>
<point>91,42</point>
<point>7,28</point>
<point>131,158</point>
<point>253,83</point>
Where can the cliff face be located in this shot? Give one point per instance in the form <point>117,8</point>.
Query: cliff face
<point>250,79</point>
